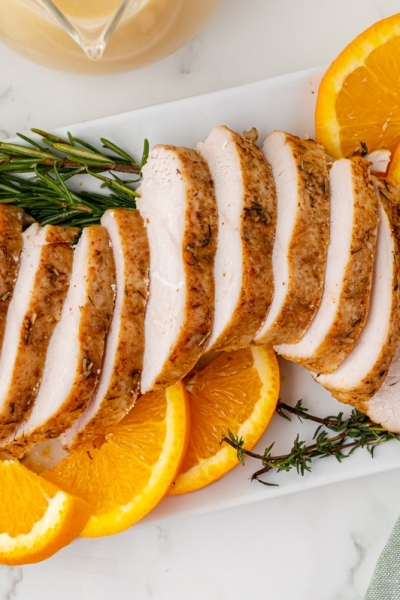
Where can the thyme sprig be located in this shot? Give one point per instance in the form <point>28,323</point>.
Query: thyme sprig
<point>353,432</point>
<point>37,177</point>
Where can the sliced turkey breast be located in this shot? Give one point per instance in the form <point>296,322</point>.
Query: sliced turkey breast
<point>119,381</point>
<point>10,250</point>
<point>246,202</point>
<point>379,160</point>
<point>348,275</point>
<point>302,236</point>
<point>178,206</point>
<point>75,351</point>
<point>34,310</point>
<point>384,406</point>
<point>362,373</point>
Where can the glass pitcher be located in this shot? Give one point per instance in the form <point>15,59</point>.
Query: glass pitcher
<point>100,36</point>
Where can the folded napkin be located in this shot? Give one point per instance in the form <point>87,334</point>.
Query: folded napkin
<point>385,583</point>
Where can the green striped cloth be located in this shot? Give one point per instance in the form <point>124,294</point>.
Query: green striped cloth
<point>385,583</point>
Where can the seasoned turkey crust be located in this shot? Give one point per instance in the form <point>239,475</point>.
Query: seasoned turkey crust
<point>297,297</point>
<point>10,250</point>
<point>46,297</point>
<point>384,406</point>
<point>389,192</point>
<point>351,305</point>
<point>243,178</point>
<point>119,382</point>
<point>51,416</point>
<point>170,167</point>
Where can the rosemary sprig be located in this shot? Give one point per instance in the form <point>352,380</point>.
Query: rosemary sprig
<point>353,432</point>
<point>37,177</point>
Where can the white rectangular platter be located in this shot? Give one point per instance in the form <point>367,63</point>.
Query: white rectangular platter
<point>287,103</point>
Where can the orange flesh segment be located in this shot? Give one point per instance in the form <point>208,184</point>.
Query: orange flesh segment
<point>220,399</point>
<point>28,512</point>
<point>371,115</point>
<point>36,519</point>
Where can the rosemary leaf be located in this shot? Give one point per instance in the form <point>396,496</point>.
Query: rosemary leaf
<point>82,154</point>
<point>115,185</point>
<point>145,153</point>
<point>74,140</point>
<point>23,150</point>
<point>49,137</point>
<point>31,142</point>
<point>110,146</point>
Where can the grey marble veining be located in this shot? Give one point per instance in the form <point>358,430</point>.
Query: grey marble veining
<point>10,578</point>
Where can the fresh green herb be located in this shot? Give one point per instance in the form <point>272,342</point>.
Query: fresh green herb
<point>37,177</point>
<point>353,432</point>
<point>87,369</point>
<point>257,213</point>
<point>362,150</point>
<point>190,248</point>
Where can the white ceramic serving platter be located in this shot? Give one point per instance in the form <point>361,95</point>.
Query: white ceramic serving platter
<point>287,103</point>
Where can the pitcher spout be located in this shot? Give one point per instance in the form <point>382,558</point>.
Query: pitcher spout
<point>92,36</point>
<point>94,52</point>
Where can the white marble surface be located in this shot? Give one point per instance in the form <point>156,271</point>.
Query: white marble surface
<point>316,545</point>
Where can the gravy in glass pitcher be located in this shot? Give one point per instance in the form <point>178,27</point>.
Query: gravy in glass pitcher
<point>80,35</point>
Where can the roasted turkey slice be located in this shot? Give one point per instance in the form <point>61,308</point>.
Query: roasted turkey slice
<point>39,293</point>
<point>119,381</point>
<point>246,202</point>
<point>74,355</point>
<point>10,250</point>
<point>348,275</point>
<point>302,236</point>
<point>384,406</point>
<point>363,372</point>
<point>178,206</point>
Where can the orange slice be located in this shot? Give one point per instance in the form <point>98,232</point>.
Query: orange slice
<point>36,518</point>
<point>236,391</point>
<point>124,475</point>
<point>394,166</point>
<point>359,97</point>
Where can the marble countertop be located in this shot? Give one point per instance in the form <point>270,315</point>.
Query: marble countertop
<point>320,544</point>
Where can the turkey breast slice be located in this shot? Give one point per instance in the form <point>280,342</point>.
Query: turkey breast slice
<point>384,406</point>
<point>75,351</point>
<point>362,373</point>
<point>39,293</point>
<point>302,235</point>
<point>178,206</point>
<point>40,289</point>
<point>119,381</point>
<point>246,202</point>
<point>348,275</point>
<point>10,250</point>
